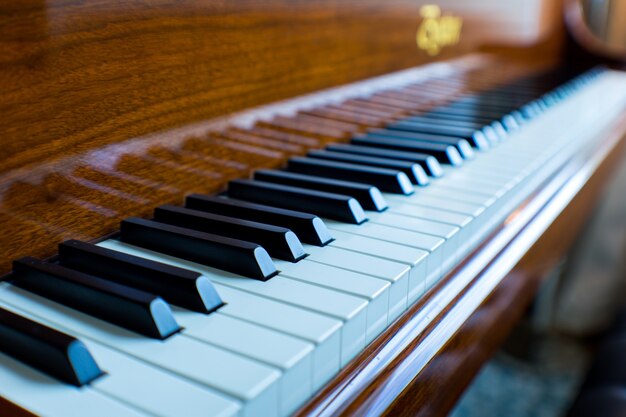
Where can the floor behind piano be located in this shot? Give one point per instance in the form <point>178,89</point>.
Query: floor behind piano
<point>541,385</point>
<point>538,372</point>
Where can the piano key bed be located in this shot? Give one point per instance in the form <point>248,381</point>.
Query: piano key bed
<point>248,302</point>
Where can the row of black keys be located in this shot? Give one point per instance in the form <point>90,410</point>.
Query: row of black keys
<point>266,216</point>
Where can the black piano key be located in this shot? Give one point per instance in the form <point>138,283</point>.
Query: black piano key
<point>475,137</point>
<point>508,121</point>
<point>454,115</point>
<point>498,98</point>
<point>414,171</point>
<point>491,107</point>
<point>461,145</point>
<point>429,163</point>
<point>389,180</point>
<point>533,108</point>
<point>445,154</point>
<point>124,306</point>
<point>334,206</point>
<point>308,227</point>
<point>494,131</point>
<point>477,111</point>
<point>182,287</point>
<point>232,255</point>
<point>487,107</point>
<point>48,350</point>
<point>433,119</point>
<point>278,241</point>
<point>368,196</point>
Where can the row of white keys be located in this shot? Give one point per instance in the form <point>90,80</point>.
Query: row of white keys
<point>449,233</point>
<point>374,290</point>
<point>291,355</point>
<point>490,177</point>
<point>246,380</point>
<point>392,281</point>
<point>396,273</point>
<point>137,385</point>
<point>432,244</point>
<point>489,172</point>
<point>415,259</point>
<point>449,196</point>
<point>350,309</point>
<point>461,221</point>
<point>466,215</point>
<point>44,396</point>
<point>324,332</point>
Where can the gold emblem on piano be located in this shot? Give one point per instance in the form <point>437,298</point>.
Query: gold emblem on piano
<point>437,31</point>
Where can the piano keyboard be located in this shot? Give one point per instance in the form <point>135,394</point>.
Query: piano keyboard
<point>247,303</point>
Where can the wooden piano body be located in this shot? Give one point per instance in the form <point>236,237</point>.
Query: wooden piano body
<point>94,94</point>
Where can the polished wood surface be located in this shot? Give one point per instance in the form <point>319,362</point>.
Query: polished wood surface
<point>82,80</point>
<point>108,110</point>
<point>76,75</point>
<point>420,367</point>
<point>84,195</point>
<point>9,409</point>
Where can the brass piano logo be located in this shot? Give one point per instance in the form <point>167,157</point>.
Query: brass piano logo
<point>437,31</point>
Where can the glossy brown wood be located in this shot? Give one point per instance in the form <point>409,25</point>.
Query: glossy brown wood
<point>11,410</point>
<point>78,75</point>
<point>412,385</point>
<point>85,195</point>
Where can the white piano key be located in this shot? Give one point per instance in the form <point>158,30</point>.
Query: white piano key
<point>470,182</point>
<point>155,391</point>
<point>323,331</point>
<point>499,164</point>
<point>463,224</point>
<point>148,388</point>
<point>291,355</point>
<point>432,244</point>
<point>471,209</point>
<point>474,176</point>
<point>44,396</point>
<point>466,195</point>
<point>445,231</point>
<point>375,290</point>
<point>415,258</point>
<point>394,272</point>
<point>255,384</point>
<point>349,309</point>
<point>429,213</point>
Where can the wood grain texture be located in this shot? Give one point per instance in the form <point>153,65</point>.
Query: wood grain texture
<point>76,75</point>
<point>85,195</point>
<point>81,81</point>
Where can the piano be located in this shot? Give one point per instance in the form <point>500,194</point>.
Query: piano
<point>272,208</point>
